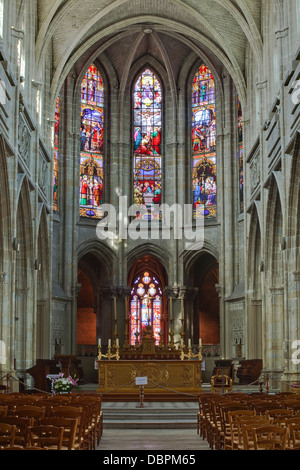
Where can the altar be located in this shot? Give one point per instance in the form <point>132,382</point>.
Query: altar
<point>172,373</point>
<point>167,379</point>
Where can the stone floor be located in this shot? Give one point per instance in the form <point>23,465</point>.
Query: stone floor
<point>152,440</point>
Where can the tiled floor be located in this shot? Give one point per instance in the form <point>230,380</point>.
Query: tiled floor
<point>152,440</point>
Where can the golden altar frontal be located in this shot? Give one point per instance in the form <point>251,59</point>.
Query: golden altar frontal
<point>172,374</point>
<point>177,380</point>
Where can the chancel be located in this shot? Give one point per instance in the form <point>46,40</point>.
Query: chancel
<point>150,210</point>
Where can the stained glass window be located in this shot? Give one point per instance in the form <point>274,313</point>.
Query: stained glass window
<point>145,308</point>
<point>91,144</point>
<point>147,96</point>
<point>241,155</point>
<point>204,145</point>
<point>56,156</point>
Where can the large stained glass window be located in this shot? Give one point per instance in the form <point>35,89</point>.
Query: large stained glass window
<point>204,145</point>
<point>145,307</point>
<point>91,144</point>
<point>241,155</point>
<point>56,156</point>
<point>147,96</point>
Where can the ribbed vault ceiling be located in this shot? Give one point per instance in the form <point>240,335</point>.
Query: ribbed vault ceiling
<point>218,29</point>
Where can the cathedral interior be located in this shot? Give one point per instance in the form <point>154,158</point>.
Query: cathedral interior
<point>150,174</point>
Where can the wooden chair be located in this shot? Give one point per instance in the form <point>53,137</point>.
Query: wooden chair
<point>46,436</point>
<point>3,410</point>
<point>294,405</point>
<point>203,410</point>
<point>233,440</point>
<point>280,413</point>
<point>22,426</point>
<point>75,412</point>
<point>93,405</point>
<point>70,430</point>
<point>246,426</point>
<point>221,384</point>
<point>30,411</point>
<point>7,435</point>
<point>97,401</point>
<point>293,436</point>
<point>225,432</point>
<point>263,409</point>
<point>270,437</point>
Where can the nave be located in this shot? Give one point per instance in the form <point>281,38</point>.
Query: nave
<point>77,421</point>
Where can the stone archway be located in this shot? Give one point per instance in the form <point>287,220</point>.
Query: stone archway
<point>150,266</point>
<point>25,307</point>
<point>203,277</point>
<point>94,308</point>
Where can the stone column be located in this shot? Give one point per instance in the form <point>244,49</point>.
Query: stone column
<point>171,294</point>
<point>255,329</point>
<point>105,324</point>
<point>274,336</point>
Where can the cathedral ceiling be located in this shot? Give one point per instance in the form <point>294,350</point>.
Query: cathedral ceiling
<point>218,29</point>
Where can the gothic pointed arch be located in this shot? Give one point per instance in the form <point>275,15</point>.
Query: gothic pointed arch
<point>147,302</point>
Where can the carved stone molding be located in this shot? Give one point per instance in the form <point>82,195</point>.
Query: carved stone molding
<point>296,276</point>
<point>277,291</point>
<point>254,172</point>
<point>106,293</point>
<point>24,141</point>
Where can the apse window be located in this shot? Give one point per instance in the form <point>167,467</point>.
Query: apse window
<point>147,177</point>
<point>145,308</point>
<point>91,144</point>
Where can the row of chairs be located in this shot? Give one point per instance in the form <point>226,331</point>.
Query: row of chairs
<point>219,415</point>
<point>79,415</point>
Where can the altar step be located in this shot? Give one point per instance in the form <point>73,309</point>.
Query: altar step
<point>152,416</point>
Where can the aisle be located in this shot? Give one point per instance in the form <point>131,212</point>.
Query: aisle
<point>152,440</point>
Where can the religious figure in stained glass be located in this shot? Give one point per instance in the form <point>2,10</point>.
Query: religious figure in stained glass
<point>91,144</point>
<point>56,155</point>
<point>204,144</point>
<point>147,97</point>
<point>241,155</point>
<point>145,308</point>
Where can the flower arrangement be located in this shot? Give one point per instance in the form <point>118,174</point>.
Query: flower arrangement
<point>64,384</point>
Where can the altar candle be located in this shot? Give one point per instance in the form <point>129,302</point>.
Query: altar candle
<point>99,342</point>
<point>109,343</point>
<point>190,343</point>
<point>181,342</point>
<point>200,342</point>
<point>117,342</point>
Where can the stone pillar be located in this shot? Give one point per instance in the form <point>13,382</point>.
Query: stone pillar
<point>171,294</point>
<point>105,317</point>
<point>255,329</point>
<point>274,337</point>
